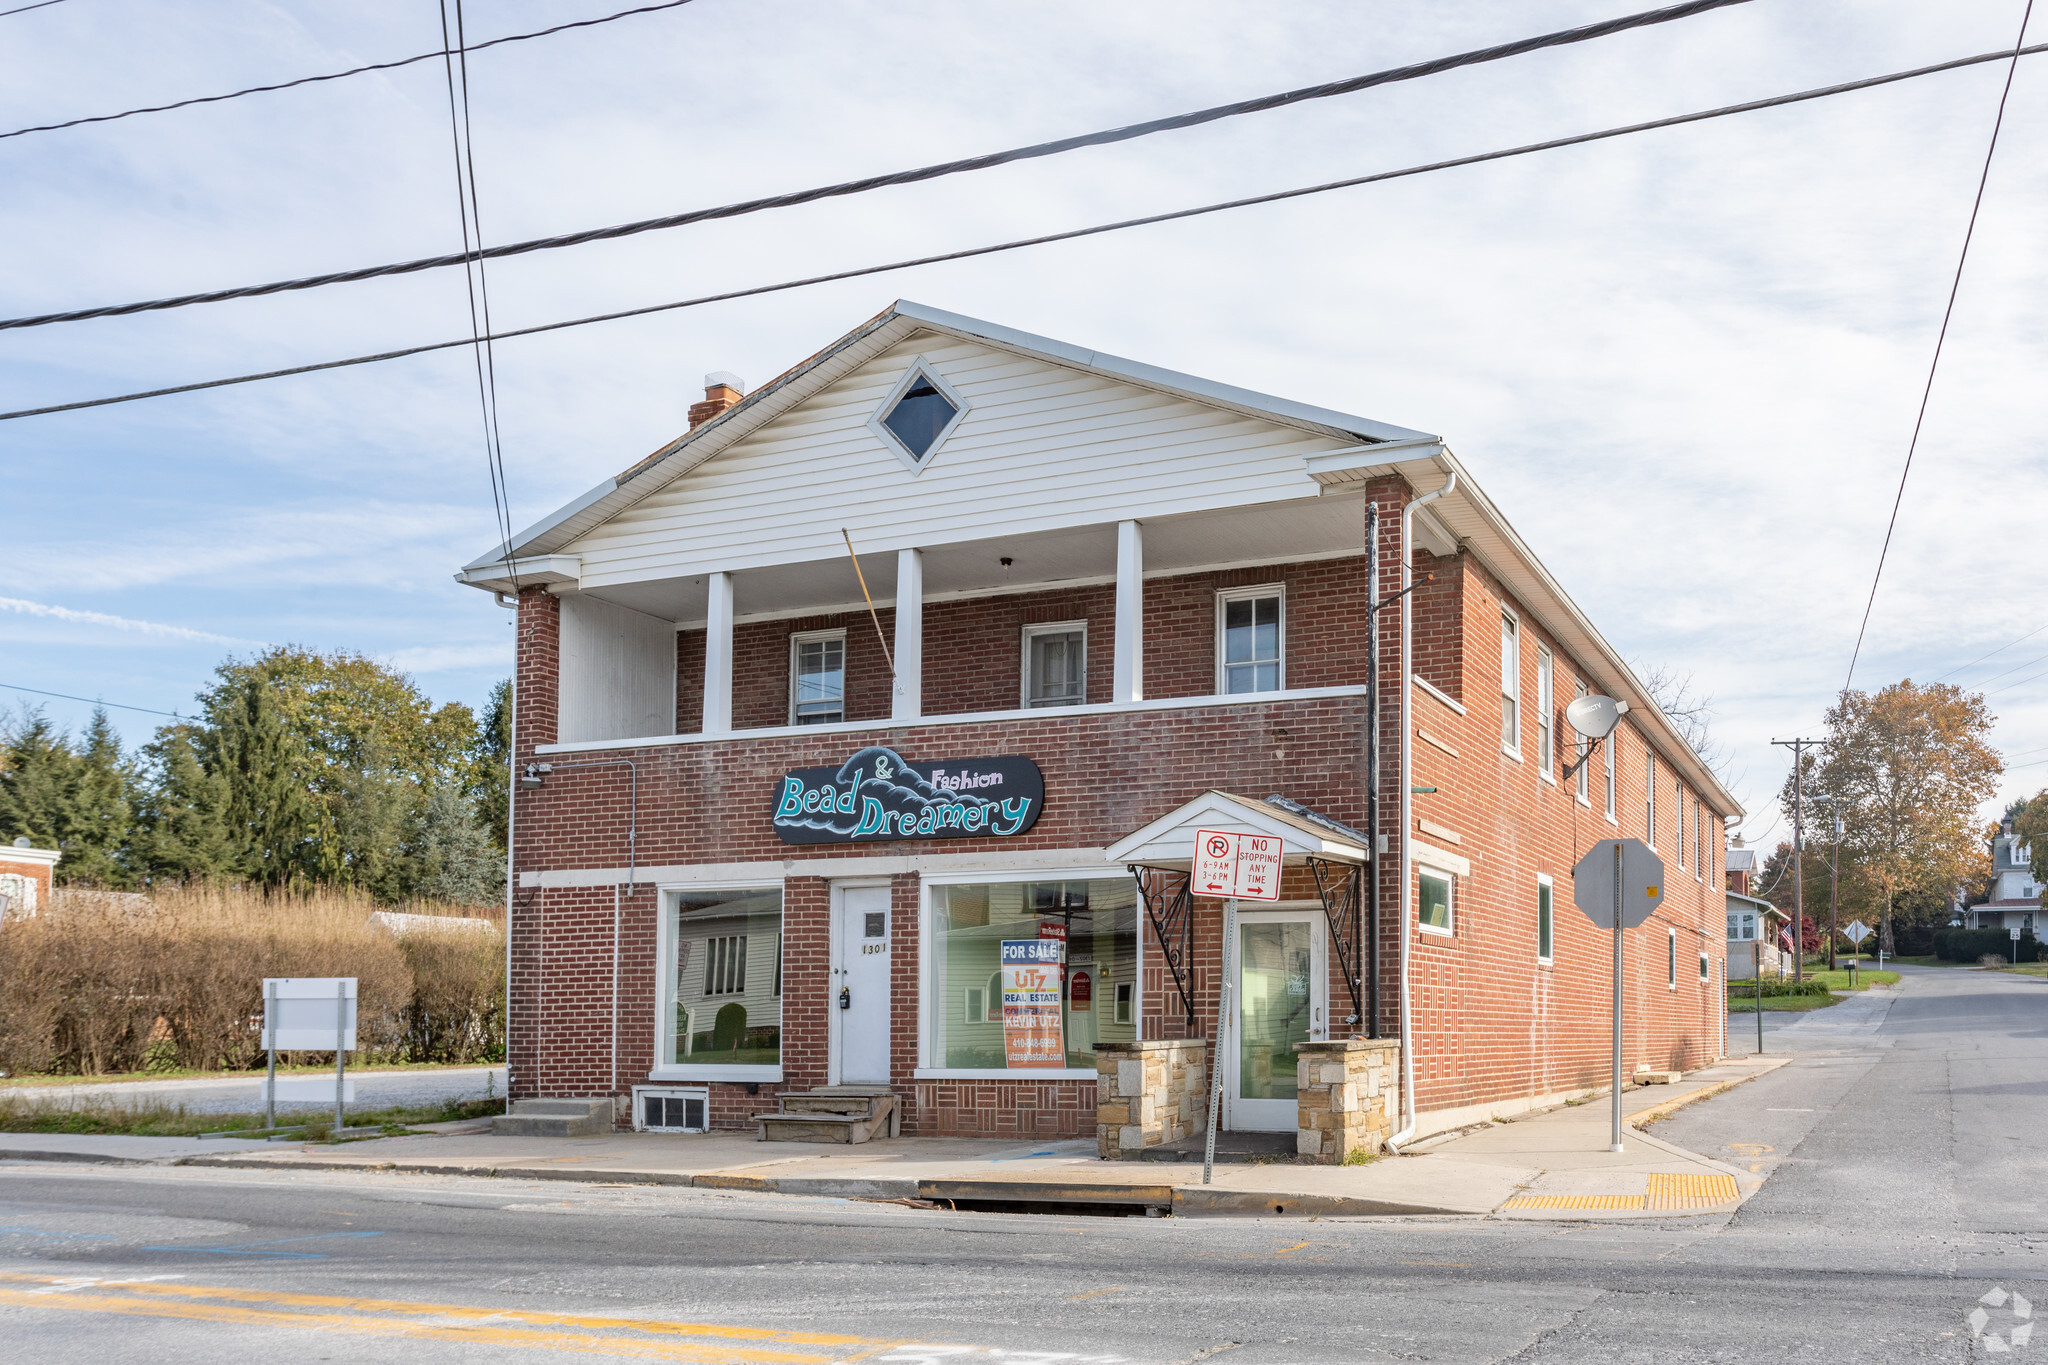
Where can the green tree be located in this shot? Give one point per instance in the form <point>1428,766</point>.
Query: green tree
<point>2030,822</point>
<point>73,797</point>
<point>183,830</point>
<point>1907,766</point>
<point>452,856</point>
<point>490,765</point>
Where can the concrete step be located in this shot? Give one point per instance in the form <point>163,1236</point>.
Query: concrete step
<point>824,1116</point>
<point>555,1118</point>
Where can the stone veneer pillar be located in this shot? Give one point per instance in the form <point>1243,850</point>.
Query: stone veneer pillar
<point>1347,1092</point>
<point>1148,1094</point>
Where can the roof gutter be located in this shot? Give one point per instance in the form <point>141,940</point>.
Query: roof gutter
<point>1407,800</point>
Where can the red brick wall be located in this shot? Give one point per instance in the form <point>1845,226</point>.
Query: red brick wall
<point>37,873</point>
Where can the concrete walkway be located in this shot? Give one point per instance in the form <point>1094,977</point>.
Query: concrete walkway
<point>1551,1165</point>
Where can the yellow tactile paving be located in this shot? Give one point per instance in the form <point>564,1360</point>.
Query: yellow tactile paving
<point>1689,1191</point>
<point>1576,1201</point>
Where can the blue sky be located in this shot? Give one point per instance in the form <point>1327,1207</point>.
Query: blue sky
<point>1684,363</point>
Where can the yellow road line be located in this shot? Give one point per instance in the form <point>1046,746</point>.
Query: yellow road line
<point>417,1331</point>
<point>451,1310</point>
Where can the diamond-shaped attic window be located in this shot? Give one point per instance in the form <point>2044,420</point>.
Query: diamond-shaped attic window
<point>920,417</point>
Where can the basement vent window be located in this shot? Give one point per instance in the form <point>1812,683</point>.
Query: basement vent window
<point>670,1111</point>
<point>918,415</point>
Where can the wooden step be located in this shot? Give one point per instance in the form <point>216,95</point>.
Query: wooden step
<point>831,1116</point>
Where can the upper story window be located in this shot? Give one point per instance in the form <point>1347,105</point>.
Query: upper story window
<point>1251,640</point>
<point>919,413</point>
<point>1585,776</point>
<point>1650,798</point>
<point>817,681</point>
<point>1056,664</point>
<point>1613,742</point>
<point>1546,702</point>
<point>1678,804</point>
<point>1742,924</point>
<point>1510,684</point>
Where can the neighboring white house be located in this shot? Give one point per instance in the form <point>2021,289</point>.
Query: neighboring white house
<point>2015,900</point>
<point>25,879</point>
<point>1753,928</point>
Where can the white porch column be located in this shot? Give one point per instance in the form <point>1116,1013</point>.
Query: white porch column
<point>718,656</point>
<point>908,698</point>
<point>1127,679</point>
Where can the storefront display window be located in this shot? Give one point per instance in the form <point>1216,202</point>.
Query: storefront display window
<point>722,978</point>
<point>1030,975</point>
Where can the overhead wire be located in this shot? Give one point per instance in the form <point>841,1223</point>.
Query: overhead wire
<point>1941,337</point>
<point>2000,650</point>
<point>986,161</point>
<point>93,700</point>
<point>24,9</point>
<point>468,209</point>
<point>330,76</point>
<point>970,253</point>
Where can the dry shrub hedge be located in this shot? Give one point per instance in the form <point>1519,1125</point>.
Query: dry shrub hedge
<point>100,984</point>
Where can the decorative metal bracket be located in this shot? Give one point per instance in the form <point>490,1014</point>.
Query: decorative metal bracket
<point>1341,887</point>
<point>1172,913</point>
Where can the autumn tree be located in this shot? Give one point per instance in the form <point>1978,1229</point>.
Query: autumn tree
<point>1906,766</point>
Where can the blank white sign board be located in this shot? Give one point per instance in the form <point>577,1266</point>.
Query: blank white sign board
<point>300,1013</point>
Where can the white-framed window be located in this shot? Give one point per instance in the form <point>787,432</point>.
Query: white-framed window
<point>1546,926</point>
<point>1510,684</point>
<point>1706,972</point>
<point>817,677</point>
<point>1056,664</point>
<point>1741,925</point>
<point>1612,743</point>
<point>1671,958</point>
<point>1650,797</point>
<point>1251,639</point>
<point>968,918</point>
<point>1699,841</point>
<point>1546,723</point>
<point>1579,755</point>
<point>1434,891</point>
<point>720,998</point>
<point>671,1109</point>
<point>1678,814</point>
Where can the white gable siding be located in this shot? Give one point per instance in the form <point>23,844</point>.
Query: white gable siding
<point>1041,447</point>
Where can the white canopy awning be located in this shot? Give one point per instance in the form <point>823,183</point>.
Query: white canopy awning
<point>1169,841</point>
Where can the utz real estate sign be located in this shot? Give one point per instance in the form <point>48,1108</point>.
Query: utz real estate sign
<point>1033,972</point>
<point>878,794</point>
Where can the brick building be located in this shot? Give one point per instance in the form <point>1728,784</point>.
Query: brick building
<point>769,837</point>
<point>25,878</point>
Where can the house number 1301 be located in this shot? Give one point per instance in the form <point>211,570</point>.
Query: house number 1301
<point>867,948</point>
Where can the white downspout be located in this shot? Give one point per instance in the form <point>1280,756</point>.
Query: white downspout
<point>1407,797</point>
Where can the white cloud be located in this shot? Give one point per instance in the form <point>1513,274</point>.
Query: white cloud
<point>122,623</point>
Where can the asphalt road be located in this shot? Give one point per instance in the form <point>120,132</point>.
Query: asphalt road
<point>1906,1164</point>
<point>243,1094</point>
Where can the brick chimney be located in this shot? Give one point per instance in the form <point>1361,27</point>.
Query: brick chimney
<point>721,391</point>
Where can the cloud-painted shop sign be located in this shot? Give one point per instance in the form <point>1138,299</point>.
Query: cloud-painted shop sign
<point>877,794</point>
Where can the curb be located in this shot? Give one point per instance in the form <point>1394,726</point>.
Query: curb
<point>1646,1117</point>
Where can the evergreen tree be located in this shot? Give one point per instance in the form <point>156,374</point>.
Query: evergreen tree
<point>453,858</point>
<point>36,779</point>
<point>490,765</point>
<point>182,825</point>
<point>102,817</point>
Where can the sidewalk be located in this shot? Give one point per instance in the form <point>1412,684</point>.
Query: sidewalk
<point>1550,1165</point>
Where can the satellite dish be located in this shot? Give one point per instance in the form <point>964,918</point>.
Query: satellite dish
<point>1596,716</point>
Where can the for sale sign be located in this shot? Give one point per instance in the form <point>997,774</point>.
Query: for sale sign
<point>1239,866</point>
<point>1032,972</point>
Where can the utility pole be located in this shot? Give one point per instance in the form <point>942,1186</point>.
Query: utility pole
<point>1798,748</point>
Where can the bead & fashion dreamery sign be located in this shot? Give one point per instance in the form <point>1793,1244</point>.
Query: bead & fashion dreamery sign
<point>878,794</point>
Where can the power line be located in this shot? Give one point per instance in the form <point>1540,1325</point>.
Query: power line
<point>1934,363</point>
<point>94,701</point>
<point>468,208</point>
<point>2000,650</point>
<point>24,9</point>
<point>331,76</point>
<point>910,177</point>
<point>970,253</point>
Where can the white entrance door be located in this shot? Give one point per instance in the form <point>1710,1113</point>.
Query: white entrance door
<point>860,974</point>
<point>1281,1000</point>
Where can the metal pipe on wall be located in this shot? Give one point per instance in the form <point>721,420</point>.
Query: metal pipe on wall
<point>1408,798</point>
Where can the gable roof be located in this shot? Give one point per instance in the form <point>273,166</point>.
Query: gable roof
<point>1169,841</point>
<point>900,321</point>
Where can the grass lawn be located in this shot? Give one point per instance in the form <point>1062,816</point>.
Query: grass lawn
<point>283,1068</point>
<point>19,1115</point>
<point>1839,981</point>
<point>1920,961</point>
<point>2028,969</point>
<point>1773,1004</point>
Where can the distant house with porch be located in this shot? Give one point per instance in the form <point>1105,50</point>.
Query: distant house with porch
<point>1756,932</point>
<point>2014,901</point>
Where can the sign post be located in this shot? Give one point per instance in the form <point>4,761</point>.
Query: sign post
<point>1855,931</point>
<point>314,1014</point>
<point>2015,932</point>
<point>1617,885</point>
<point>1235,867</point>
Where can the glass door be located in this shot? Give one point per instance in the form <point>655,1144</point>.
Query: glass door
<point>1281,1001</point>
